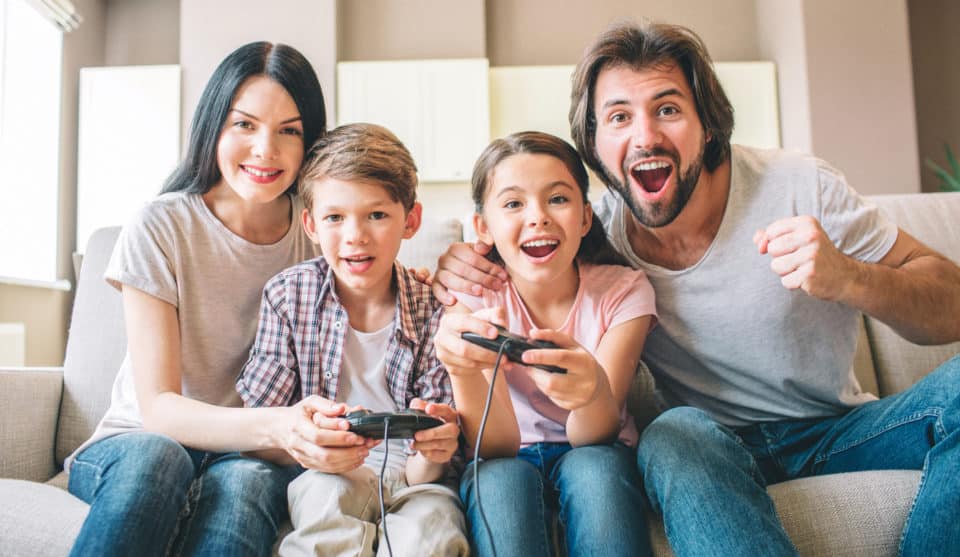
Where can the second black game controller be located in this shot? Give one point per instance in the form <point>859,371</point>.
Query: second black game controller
<point>403,424</point>
<point>516,346</point>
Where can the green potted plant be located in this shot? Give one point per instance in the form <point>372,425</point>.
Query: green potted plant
<point>949,181</point>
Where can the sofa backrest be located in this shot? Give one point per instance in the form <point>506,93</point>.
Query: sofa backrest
<point>96,344</point>
<point>97,340</point>
<point>934,219</point>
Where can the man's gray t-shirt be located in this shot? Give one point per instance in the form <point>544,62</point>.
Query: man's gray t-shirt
<point>177,250</point>
<point>731,339</point>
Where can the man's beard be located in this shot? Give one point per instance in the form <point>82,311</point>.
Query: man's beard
<point>662,212</point>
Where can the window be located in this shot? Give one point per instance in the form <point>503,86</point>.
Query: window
<point>30,67</point>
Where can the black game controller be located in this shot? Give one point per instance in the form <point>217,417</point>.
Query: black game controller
<point>516,346</point>
<point>403,424</point>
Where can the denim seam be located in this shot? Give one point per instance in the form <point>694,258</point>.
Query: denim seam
<point>935,412</point>
<point>913,505</point>
<point>186,515</point>
<point>545,544</point>
<point>754,466</point>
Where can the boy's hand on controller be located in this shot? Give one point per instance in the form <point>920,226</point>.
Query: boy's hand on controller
<point>574,389</point>
<point>461,357</point>
<point>437,444</point>
<point>318,437</point>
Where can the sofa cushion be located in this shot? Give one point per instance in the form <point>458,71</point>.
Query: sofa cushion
<point>426,246</point>
<point>932,219</point>
<point>29,400</point>
<point>858,514</point>
<point>38,520</point>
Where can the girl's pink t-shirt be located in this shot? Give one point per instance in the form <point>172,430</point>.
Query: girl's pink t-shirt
<point>608,296</point>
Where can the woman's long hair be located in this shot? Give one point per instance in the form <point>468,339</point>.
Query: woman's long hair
<point>198,171</point>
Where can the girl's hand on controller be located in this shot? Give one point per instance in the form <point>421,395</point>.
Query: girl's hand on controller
<point>574,389</point>
<point>461,357</point>
<point>437,444</point>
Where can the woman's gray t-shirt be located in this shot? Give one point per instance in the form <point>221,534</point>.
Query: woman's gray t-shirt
<point>176,250</point>
<point>732,340</point>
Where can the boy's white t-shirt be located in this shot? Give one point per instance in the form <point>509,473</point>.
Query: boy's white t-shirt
<point>608,296</point>
<point>363,382</point>
<point>177,250</point>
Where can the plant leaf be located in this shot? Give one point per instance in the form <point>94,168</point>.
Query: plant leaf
<point>941,173</point>
<point>954,166</point>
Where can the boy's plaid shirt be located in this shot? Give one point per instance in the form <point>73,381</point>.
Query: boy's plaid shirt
<point>298,350</point>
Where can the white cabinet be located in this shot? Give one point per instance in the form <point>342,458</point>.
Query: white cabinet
<point>129,141</point>
<point>438,108</point>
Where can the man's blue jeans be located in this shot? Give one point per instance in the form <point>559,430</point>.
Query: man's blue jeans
<point>149,495</point>
<point>708,480</point>
<point>597,488</point>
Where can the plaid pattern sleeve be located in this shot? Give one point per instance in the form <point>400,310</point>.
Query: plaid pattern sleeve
<point>270,376</point>
<point>433,382</point>
<point>427,379</point>
<point>415,371</point>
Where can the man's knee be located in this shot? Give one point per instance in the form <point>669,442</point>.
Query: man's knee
<point>676,432</point>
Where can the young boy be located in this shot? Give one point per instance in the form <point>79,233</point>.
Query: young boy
<point>355,327</point>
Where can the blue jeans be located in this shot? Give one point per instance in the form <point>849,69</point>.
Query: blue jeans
<point>597,488</point>
<point>708,480</point>
<point>149,495</point>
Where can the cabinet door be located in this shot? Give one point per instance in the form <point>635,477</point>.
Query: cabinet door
<point>438,108</point>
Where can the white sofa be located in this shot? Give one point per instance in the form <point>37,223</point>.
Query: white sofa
<point>46,413</point>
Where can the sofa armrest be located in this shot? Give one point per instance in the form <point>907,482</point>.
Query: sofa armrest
<point>29,406</point>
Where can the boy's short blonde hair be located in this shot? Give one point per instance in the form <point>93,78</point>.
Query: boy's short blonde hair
<point>361,152</point>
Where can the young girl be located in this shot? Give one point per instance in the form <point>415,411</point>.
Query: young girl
<point>550,435</point>
<point>162,472</point>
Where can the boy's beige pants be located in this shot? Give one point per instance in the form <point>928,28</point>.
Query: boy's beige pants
<point>338,515</point>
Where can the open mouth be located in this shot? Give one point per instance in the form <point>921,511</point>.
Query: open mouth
<point>539,248</point>
<point>652,176</point>
<point>358,262</point>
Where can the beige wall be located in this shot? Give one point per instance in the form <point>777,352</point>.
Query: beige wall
<point>44,313</point>
<point>846,89</point>
<point>935,41</point>
<point>861,92</point>
<point>141,32</point>
<point>211,29</point>
<point>781,38</point>
<point>410,29</point>
<point>537,32</point>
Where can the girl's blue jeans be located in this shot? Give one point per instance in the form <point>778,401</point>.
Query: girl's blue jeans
<point>149,495</point>
<point>709,481</point>
<point>596,490</point>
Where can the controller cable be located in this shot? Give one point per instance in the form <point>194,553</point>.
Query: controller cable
<point>476,453</point>
<point>383,468</point>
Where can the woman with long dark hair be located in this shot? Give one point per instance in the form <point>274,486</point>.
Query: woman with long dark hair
<point>163,472</point>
